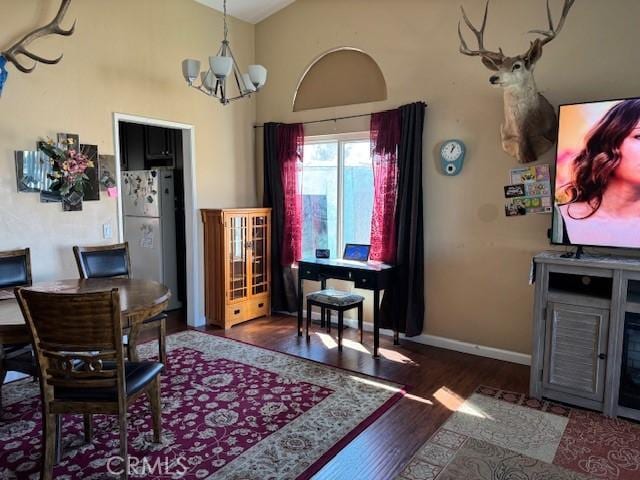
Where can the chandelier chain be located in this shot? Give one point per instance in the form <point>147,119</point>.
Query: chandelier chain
<point>226,30</point>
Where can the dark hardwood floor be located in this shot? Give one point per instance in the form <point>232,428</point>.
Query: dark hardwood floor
<point>438,378</point>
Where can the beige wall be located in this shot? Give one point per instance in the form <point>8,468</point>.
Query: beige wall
<point>124,57</point>
<point>477,261</point>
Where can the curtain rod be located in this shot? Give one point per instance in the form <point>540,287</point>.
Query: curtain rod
<point>326,119</point>
<point>331,119</point>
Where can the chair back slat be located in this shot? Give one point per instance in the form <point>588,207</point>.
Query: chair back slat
<point>103,355</point>
<point>15,268</point>
<point>80,383</point>
<point>106,261</point>
<point>79,373</point>
<point>76,367</point>
<point>73,334</point>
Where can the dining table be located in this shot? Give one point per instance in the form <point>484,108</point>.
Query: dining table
<point>139,301</point>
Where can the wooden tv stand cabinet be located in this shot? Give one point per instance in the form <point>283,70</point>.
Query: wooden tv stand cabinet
<point>581,306</point>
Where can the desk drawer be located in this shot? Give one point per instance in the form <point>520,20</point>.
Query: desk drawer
<point>309,271</point>
<point>366,280</point>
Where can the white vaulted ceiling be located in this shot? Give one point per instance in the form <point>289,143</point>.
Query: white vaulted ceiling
<point>252,11</point>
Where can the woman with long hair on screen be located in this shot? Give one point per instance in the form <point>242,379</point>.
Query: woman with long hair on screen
<point>602,204</point>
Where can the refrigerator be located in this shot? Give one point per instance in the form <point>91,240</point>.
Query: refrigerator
<point>148,202</point>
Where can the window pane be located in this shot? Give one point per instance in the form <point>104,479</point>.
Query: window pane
<point>319,198</point>
<point>357,192</point>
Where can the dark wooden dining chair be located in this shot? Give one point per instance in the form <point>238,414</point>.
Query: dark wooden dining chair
<point>112,261</point>
<point>77,339</point>
<point>15,271</point>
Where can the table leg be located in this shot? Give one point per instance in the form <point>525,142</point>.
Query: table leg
<point>396,332</point>
<point>361,321</point>
<point>58,440</point>
<point>3,373</point>
<point>132,343</point>
<point>88,428</point>
<point>340,328</point>
<point>299,304</point>
<point>323,286</point>
<point>162,343</point>
<point>308,322</point>
<point>376,322</point>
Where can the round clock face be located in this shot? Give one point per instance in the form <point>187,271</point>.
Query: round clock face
<point>451,151</point>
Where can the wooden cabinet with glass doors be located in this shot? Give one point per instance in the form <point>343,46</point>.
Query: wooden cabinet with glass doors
<point>237,256</point>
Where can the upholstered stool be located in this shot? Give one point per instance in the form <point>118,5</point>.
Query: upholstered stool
<point>339,301</point>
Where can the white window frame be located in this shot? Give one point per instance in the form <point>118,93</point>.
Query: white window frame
<point>341,138</point>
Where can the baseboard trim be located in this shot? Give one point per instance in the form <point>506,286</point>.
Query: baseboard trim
<point>447,343</point>
<point>473,349</point>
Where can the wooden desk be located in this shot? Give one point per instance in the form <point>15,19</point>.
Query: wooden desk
<point>139,300</point>
<point>365,275</point>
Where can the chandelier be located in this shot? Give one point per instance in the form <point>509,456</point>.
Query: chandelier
<point>213,82</point>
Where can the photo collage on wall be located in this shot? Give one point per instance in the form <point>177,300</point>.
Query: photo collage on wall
<point>35,173</point>
<point>529,191</point>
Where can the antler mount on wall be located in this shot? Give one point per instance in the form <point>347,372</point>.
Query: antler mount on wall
<point>19,48</point>
<point>530,124</point>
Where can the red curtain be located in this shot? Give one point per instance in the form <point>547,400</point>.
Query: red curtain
<point>290,148</point>
<point>385,137</point>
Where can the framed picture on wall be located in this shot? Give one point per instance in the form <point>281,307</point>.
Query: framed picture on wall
<point>71,139</point>
<point>92,188</point>
<point>32,168</point>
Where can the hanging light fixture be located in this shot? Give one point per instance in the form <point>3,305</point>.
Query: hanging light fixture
<point>213,82</point>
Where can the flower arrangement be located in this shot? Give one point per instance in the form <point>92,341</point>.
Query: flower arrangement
<point>68,166</point>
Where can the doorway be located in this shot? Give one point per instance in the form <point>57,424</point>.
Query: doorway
<point>168,149</point>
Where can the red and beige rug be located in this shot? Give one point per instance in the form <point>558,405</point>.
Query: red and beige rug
<point>230,411</point>
<point>503,435</point>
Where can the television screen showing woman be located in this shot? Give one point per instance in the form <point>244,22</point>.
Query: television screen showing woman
<point>597,188</point>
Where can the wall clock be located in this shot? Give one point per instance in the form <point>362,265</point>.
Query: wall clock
<point>452,154</point>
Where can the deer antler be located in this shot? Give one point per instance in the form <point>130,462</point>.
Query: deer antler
<point>479,33</point>
<point>554,31</point>
<point>20,48</point>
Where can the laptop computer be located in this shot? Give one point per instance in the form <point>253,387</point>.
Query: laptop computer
<point>356,252</point>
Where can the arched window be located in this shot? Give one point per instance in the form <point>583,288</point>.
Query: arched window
<point>343,76</point>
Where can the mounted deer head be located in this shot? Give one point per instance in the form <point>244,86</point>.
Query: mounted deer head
<point>20,48</point>
<point>530,126</point>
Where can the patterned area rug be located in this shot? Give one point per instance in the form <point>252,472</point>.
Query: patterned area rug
<point>504,435</point>
<point>230,411</point>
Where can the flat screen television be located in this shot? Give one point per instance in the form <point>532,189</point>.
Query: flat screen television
<point>597,184</point>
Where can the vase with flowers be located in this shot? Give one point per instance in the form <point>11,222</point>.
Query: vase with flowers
<point>68,166</point>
